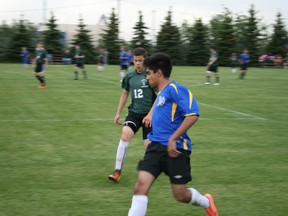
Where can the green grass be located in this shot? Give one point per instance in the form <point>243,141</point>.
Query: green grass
<point>57,145</point>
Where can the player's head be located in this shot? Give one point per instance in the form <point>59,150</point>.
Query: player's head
<point>159,67</point>
<point>39,45</point>
<point>245,51</point>
<point>139,55</point>
<point>77,47</point>
<point>24,48</point>
<point>122,49</point>
<point>212,49</point>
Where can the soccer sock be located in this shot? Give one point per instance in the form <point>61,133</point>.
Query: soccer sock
<point>122,74</point>
<point>42,80</point>
<point>138,206</point>
<point>75,74</point>
<point>121,154</point>
<point>39,78</point>
<point>241,75</point>
<point>198,200</point>
<point>208,78</point>
<point>217,79</point>
<point>84,75</point>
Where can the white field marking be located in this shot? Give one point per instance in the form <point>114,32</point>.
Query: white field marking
<point>233,111</point>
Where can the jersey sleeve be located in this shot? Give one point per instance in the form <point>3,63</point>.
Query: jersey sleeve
<point>125,83</point>
<point>187,103</point>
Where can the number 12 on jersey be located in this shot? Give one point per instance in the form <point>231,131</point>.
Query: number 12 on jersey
<point>138,93</point>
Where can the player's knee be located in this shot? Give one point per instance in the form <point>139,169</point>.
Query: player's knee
<point>182,196</point>
<point>140,188</point>
<point>125,137</point>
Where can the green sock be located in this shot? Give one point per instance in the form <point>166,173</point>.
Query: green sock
<point>208,78</point>
<point>85,75</point>
<point>217,80</point>
<point>76,75</point>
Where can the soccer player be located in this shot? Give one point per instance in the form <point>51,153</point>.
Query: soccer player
<point>100,66</point>
<point>139,111</point>
<point>175,111</point>
<point>124,61</point>
<point>244,59</point>
<point>41,62</point>
<point>234,63</point>
<point>79,60</point>
<point>130,58</point>
<point>213,67</point>
<point>25,57</point>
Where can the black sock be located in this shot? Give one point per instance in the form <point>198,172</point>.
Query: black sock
<point>76,75</point>
<point>42,80</point>
<point>208,78</point>
<point>217,79</point>
<point>38,78</point>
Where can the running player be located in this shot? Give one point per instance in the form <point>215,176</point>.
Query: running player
<point>79,60</point>
<point>124,62</point>
<point>234,63</point>
<point>213,67</point>
<point>139,111</point>
<point>41,62</point>
<point>175,111</point>
<point>244,59</point>
<point>25,57</point>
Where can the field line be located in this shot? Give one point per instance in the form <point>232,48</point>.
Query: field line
<point>233,111</point>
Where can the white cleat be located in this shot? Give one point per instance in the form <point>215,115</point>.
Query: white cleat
<point>207,83</point>
<point>216,84</point>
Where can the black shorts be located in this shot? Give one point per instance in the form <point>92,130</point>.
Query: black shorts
<point>134,121</point>
<point>39,68</point>
<point>123,67</point>
<point>79,65</point>
<point>157,160</point>
<point>213,68</point>
<point>244,67</point>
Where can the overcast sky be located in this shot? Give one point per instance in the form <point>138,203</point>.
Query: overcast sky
<point>68,11</point>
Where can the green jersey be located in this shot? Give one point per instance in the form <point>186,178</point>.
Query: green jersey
<point>79,60</point>
<point>142,94</point>
<point>213,56</point>
<point>40,56</point>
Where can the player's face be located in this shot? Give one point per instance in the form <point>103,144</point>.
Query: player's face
<point>153,78</point>
<point>139,63</point>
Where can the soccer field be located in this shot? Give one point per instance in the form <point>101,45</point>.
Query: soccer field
<point>57,145</point>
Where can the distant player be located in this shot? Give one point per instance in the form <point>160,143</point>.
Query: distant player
<point>139,111</point>
<point>25,57</point>
<point>234,63</point>
<point>130,59</point>
<point>41,62</point>
<point>175,112</point>
<point>124,62</point>
<point>100,66</point>
<point>79,63</point>
<point>244,59</point>
<point>213,67</point>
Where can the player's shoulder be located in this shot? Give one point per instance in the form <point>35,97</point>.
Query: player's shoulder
<point>176,87</point>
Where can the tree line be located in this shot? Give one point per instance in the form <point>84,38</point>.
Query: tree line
<point>187,44</point>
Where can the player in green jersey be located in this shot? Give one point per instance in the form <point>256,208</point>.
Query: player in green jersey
<point>41,62</point>
<point>139,111</point>
<point>79,63</point>
<point>213,67</point>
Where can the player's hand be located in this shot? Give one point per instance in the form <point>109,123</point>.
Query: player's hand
<point>45,66</point>
<point>117,120</point>
<point>172,149</point>
<point>147,120</point>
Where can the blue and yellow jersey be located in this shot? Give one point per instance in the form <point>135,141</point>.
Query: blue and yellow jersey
<point>172,105</point>
<point>244,58</point>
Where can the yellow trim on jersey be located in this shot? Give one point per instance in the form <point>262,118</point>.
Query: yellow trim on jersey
<point>190,99</point>
<point>174,86</point>
<point>174,107</point>
<point>191,114</point>
<point>185,146</point>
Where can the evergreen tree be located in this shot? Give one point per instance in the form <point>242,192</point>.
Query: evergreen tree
<point>23,36</point>
<point>52,37</point>
<point>139,38</point>
<point>197,53</point>
<point>186,34</point>
<point>84,39</point>
<point>111,38</point>
<point>169,40</point>
<point>5,35</point>
<point>279,40</point>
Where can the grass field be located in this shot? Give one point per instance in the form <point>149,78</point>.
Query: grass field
<point>57,145</point>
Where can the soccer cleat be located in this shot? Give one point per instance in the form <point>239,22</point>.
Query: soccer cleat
<point>211,210</point>
<point>42,86</point>
<point>207,83</point>
<point>115,176</point>
<point>216,84</point>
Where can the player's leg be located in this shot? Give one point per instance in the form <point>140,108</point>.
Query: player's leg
<point>84,73</point>
<point>140,198</point>
<point>76,70</point>
<point>208,77</point>
<point>217,78</point>
<point>122,73</point>
<point>42,80</point>
<point>243,68</point>
<point>145,132</point>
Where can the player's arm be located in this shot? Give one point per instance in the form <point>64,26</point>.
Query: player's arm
<point>188,122</point>
<point>123,99</point>
<point>213,60</point>
<point>147,120</point>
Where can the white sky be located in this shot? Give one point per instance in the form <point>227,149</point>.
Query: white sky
<point>67,11</point>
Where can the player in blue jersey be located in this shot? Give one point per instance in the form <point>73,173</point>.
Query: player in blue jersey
<point>244,59</point>
<point>130,59</point>
<point>175,111</point>
<point>25,57</point>
<point>124,62</point>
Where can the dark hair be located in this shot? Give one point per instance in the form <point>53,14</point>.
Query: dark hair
<point>213,47</point>
<point>139,51</point>
<point>159,61</point>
